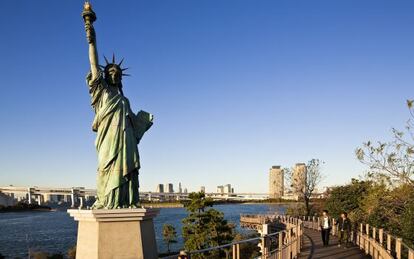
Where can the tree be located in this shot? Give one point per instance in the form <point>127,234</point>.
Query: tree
<point>304,183</point>
<point>204,228</point>
<point>169,235</point>
<point>394,159</point>
<point>347,198</point>
<point>377,203</point>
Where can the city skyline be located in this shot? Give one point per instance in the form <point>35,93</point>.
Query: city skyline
<point>272,83</point>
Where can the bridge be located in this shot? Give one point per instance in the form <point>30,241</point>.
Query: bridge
<point>77,196</point>
<point>301,239</point>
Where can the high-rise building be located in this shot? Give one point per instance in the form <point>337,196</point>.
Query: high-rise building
<point>185,190</point>
<point>299,179</point>
<point>276,182</point>
<point>169,188</point>
<point>180,190</point>
<point>220,189</point>
<point>203,189</point>
<point>227,188</point>
<point>160,188</point>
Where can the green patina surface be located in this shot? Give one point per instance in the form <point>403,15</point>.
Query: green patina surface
<point>119,130</point>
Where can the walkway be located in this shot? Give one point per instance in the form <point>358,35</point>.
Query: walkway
<point>313,248</point>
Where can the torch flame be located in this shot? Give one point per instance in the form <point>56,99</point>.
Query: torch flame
<point>87,6</point>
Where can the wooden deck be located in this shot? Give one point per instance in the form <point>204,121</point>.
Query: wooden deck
<point>313,248</point>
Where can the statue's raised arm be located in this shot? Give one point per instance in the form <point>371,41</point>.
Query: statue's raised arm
<point>89,17</point>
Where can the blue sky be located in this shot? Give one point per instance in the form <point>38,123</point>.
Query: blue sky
<point>235,86</point>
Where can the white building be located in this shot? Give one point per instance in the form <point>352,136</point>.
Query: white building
<point>169,188</point>
<point>276,182</point>
<point>160,188</point>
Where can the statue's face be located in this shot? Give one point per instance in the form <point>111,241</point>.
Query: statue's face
<point>114,76</point>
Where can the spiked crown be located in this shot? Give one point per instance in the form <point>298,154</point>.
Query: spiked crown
<point>113,64</point>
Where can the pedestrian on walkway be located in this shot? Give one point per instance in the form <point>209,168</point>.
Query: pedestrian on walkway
<point>325,225</point>
<point>344,229</point>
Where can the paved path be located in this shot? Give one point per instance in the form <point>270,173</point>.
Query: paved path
<point>313,248</point>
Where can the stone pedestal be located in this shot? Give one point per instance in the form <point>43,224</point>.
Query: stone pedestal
<point>115,234</point>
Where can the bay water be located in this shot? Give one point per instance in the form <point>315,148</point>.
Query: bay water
<point>55,232</point>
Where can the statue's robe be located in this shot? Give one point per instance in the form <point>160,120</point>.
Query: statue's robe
<point>119,131</point>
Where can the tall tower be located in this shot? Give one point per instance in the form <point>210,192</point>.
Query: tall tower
<point>276,182</point>
<point>168,187</point>
<point>299,179</point>
<point>160,188</point>
<point>180,190</point>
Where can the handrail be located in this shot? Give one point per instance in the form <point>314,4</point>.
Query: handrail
<point>375,242</point>
<point>288,242</point>
<point>371,240</point>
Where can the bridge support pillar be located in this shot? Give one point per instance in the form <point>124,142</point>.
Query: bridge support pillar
<point>29,195</point>
<point>39,199</point>
<point>105,234</point>
<point>73,197</point>
<point>80,202</point>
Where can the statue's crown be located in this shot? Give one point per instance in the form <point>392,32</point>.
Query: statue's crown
<point>114,64</point>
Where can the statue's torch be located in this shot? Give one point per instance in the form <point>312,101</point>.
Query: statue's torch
<point>89,17</point>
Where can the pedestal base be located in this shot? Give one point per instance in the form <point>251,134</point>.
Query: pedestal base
<point>115,234</point>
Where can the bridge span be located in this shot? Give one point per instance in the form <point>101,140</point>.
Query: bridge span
<point>77,196</point>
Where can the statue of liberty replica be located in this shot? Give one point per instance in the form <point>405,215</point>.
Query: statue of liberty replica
<point>118,128</point>
<point>116,226</point>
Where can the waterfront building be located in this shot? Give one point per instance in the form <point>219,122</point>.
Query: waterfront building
<point>299,179</point>
<point>185,190</point>
<point>180,190</point>
<point>7,200</point>
<point>169,188</point>
<point>220,189</point>
<point>160,188</point>
<point>203,189</point>
<point>276,182</point>
<point>227,188</point>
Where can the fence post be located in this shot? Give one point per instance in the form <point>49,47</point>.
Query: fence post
<point>374,233</point>
<point>238,251</point>
<point>398,247</point>
<point>298,238</point>
<point>367,249</point>
<point>183,255</point>
<point>289,244</point>
<point>280,245</point>
<point>381,236</point>
<point>410,253</point>
<point>381,241</point>
<point>263,247</point>
<point>389,243</point>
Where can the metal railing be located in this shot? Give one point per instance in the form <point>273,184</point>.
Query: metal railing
<point>374,241</point>
<point>285,244</point>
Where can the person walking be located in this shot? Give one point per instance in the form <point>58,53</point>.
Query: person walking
<point>325,225</point>
<point>344,229</point>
